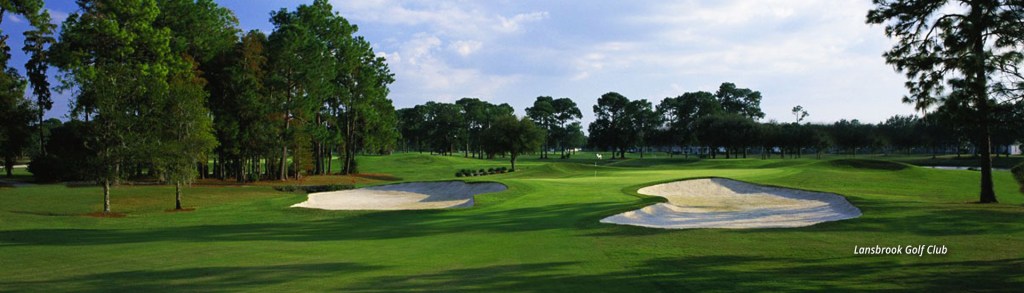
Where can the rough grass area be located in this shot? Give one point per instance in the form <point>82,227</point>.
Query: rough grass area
<point>540,235</point>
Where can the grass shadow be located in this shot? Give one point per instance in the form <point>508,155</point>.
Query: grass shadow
<point>718,273</point>
<point>202,279</point>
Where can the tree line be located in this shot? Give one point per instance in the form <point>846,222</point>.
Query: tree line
<point>174,90</point>
<point>725,123</point>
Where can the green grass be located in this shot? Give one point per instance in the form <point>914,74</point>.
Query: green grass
<point>540,235</point>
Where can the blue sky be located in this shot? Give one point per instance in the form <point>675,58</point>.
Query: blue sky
<point>818,54</point>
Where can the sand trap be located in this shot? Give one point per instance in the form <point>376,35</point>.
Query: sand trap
<point>724,203</point>
<point>403,196</point>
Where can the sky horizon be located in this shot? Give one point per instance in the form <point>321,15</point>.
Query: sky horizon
<point>817,54</point>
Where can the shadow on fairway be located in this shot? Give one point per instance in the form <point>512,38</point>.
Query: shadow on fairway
<point>717,273</point>
<point>695,273</point>
<point>204,279</point>
<point>372,225</point>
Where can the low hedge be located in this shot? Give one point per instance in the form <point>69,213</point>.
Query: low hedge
<point>481,172</point>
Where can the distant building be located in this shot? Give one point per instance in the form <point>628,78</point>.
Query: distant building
<point>1013,149</point>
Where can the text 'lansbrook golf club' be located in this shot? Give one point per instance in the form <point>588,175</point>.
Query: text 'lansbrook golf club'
<point>918,250</point>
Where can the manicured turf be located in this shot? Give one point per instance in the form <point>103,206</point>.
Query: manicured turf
<point>540,235</point>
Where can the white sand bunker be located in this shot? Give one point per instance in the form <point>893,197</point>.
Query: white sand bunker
<point>724,203</point>
<point>403,196</point>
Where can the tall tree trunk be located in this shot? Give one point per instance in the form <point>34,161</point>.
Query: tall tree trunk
<point>42,142</point>
<point>980,85</point>
<point>240,164</point>
<point>106,196</point>
<point>318,158</point>
<point>988,194</point>
<point>296,161</point>
<point>177,195</point>
<point>9,166</point>
<point>284,162</point>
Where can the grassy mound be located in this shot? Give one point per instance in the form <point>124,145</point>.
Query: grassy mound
<point>868,164</point>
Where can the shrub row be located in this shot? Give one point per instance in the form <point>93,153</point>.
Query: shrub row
<point>481,172</point>
<point>314,188</point>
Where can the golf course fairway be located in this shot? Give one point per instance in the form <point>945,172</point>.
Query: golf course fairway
<point>541,234</point>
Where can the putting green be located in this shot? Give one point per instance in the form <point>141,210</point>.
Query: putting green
<point>542,234</point>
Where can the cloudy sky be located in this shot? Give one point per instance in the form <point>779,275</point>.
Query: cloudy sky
<point>818,54</point>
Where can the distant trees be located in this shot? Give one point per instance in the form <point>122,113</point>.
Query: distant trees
<point>644,122</point>
<point>412,131</point>
<point>852,135</point>
<point>575,138</point>
<point>799,113</point>
<point>566,115</point>
<point>613,126</point>
<point>740,101</point>
<point>543,114</point>
<point>694,122</point>
<point>900,132</point>
<point>513,136</point>
<point>725,119</point>
<point>680,113</point>
<point>444,123</point>
<point>446,127</point>
<point>479,116</point>
<point>553,116</point>
<point>972,47</point>
<point>480,128</point>
<point>732,132</point>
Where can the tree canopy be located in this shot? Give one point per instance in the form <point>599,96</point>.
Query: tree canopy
<point>972,47</point>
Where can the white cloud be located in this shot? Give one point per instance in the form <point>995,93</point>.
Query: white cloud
<point>513,24</point>
<point>434,47</point>
<point>15,18</point>
<point>442,18</point>
<point>425,75</point>
<point>465,48</point>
